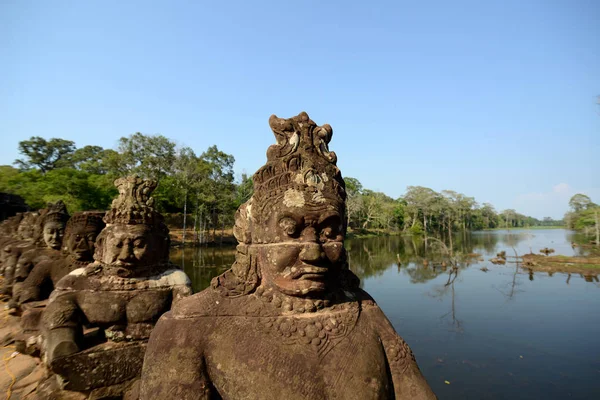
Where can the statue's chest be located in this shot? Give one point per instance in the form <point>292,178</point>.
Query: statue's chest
<point>112,307</point>
<point>329,357</point>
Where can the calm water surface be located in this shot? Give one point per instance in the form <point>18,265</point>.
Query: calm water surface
<point>498,334</point>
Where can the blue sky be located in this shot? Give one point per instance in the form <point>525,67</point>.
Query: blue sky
<point>496,100</point>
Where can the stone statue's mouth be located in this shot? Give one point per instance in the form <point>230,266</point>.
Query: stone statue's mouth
<point>310,272</point>
<point>125,264</point>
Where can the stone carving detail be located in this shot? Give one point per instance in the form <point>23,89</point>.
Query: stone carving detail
<point>288,320</point>
<point>400,355</point>
<point>321,334</point>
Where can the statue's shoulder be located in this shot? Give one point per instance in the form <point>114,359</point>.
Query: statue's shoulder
<point>171,278</point>
<point>78,278</point>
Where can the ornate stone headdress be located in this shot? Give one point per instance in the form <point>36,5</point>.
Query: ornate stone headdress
<point>300,171</point>
<point>56,212</point>
<point>134,206</point>
<point>92,219</point>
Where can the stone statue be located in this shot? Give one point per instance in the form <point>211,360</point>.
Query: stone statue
<point>8,235</point>
<point>78,250</point>
<point>46,243</point>
<point>118,298</point>
<point>23,238</point>
<point>288,320</point>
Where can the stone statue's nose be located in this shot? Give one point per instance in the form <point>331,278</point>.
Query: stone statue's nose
<point>311,252</point>
<point>125,253</point>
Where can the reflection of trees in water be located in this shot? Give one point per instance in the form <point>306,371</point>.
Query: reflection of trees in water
<point>441,291</point>
<point>420,259</point>
<point>202,264</point>
<point>514,283</point>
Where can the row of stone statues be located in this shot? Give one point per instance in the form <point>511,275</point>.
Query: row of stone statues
<point>112,318</point>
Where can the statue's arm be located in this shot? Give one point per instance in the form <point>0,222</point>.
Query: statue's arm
<point>62,326</point>
<point>31,289</point>
<point>174,366</point>
<point>409,382</point>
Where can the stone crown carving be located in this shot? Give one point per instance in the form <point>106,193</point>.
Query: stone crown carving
<point>85,219</point>
<point>56,212</point>
<point>133,205</point>
<point>300,160</point>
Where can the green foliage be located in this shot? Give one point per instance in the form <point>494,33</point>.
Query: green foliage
<point>148,156</point>
<point>44,154</point>
<point>583,214</point>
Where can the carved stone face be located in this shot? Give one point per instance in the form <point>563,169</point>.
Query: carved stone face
<point>305,251</point>
<point>81,242</point>
<point>131,246</point>
<point>53,234</point>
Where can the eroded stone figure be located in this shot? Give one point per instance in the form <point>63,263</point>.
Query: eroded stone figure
<point>23,240</point>
<point>99,317</point>
<point>39,237</point>
<point>78,251</point>
<point>48,234</point>
<point>288,320</point>
<point>8,235</point>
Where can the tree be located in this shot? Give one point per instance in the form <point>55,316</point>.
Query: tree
<point>90,159</point>
<point>148,156</point>
<point>419,201</point>
<point>244,190</point>
<point>44,154</point>
<point>580,202</point>
<point>354,200</point>
<point>217,191</point>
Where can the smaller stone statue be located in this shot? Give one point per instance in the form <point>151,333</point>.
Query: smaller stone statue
<point>119,298</point>
<point>80,236</point>
<point>47,241</point>
<point>8,235</point>
<point>25,239</point>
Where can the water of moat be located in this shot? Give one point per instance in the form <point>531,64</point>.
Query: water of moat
<point>498,334</point>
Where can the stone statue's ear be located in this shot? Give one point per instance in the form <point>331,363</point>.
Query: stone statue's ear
<point>243,219</point>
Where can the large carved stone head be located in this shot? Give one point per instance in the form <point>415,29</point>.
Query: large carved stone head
<point>291,231</point>
<point>80,235</point>
<point>135,237</point>
<point>54,220</point>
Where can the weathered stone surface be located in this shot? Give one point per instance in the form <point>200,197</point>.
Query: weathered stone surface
<point>288,320</point>
<point>103,365</point>
<point>122,294</point>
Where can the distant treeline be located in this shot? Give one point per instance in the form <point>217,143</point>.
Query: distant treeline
<point>204,187</point>
<point>423,210</point>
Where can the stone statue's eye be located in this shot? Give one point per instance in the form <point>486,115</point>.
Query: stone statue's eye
<point>328,233</point>
<point>139,243</point>
<point>289,226</point>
